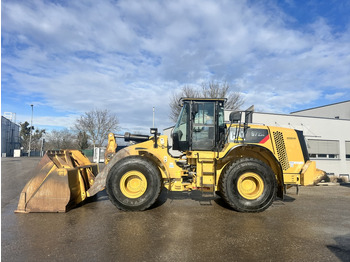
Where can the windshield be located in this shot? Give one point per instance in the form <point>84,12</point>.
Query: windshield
<point>181,125</point>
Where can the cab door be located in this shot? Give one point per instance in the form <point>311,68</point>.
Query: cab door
<point>203,127</point>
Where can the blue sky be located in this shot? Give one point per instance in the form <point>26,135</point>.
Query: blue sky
<point>69,57</point>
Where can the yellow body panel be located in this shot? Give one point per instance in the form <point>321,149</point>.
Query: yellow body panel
<point>287,149</point>
<point>171,172</point>
<point>111,148</point>
<point>291,179</point>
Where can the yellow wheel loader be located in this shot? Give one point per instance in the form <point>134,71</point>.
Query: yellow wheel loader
<point>247,165</point>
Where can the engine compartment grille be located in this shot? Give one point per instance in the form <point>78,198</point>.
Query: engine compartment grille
<point>281,150</point>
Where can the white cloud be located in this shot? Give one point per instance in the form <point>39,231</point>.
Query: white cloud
<point>49,122</point>
<point>129,56</point>
<point>335,96</point>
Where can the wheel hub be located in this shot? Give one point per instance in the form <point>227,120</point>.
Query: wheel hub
<point>133,184</point>
<point>250,186</point>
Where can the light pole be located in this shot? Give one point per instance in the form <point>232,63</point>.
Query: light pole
<point>31,127</point>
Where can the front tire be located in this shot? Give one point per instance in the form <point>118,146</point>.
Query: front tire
<point>133,184</point>
<point>248,185</point>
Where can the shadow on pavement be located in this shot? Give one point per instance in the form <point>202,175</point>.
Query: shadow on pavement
<point>342,247</point>
<point>175,195</point>
<point>197,196</point>
<point>166,195</point>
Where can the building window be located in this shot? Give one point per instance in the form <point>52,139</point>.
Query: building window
<point>323,149</point>
<point>333,156</point>
<point>347,149</point>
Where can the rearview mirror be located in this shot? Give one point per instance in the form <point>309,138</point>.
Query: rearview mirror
<point>235,117</point>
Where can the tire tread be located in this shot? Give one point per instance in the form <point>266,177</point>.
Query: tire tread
<point>224,180</point>
<point>140,161</point>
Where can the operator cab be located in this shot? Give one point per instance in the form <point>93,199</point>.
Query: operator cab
<point>200,125</point>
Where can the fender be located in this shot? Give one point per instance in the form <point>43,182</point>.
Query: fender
<point>100,181</point>
<point>261,153</point>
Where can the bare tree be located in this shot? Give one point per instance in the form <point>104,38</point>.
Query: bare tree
<point>208,90</point>
<point>82,140</point>
<point>60,139</point>
<point>97,124</point>
<point>186,91</point>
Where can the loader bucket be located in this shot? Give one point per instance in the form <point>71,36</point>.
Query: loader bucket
<point>310,175</point>
<point>60,182</point>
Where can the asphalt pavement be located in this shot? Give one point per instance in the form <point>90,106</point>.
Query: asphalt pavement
<point>311,226</point>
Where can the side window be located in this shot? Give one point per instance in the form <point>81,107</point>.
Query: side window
<point>181,125</point>
<point>203,131</point>
<point>236,135</point>
<point>221,118</point>
<point>205,115</point>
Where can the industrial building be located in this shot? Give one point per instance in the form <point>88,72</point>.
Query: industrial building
<point>10,136</point>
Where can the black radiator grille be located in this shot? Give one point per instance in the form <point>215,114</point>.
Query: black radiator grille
<point>281,150</point>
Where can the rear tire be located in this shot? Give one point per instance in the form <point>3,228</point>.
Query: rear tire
<point>248,185</point>
<point>133,184</point>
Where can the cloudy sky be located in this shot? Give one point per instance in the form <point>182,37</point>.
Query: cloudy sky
<point>69,57</point>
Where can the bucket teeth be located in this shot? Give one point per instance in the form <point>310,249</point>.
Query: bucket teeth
<point>60,182</point>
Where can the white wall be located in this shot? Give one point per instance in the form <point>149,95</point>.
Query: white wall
<point>340,110</point>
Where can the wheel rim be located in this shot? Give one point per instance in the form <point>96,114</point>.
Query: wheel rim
<point>250,186</point>
<point>133,184</point>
